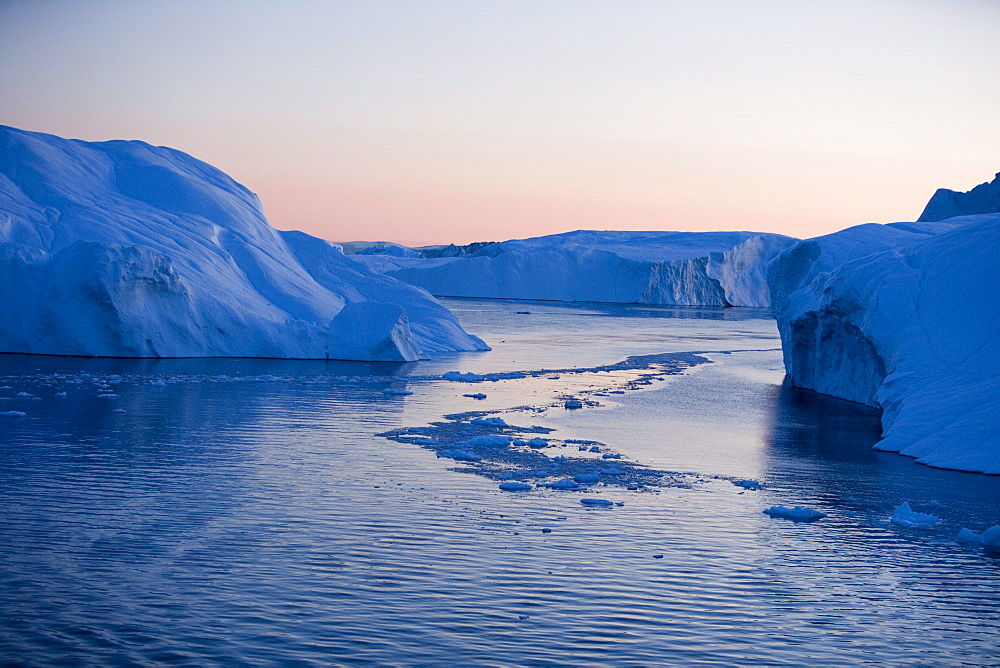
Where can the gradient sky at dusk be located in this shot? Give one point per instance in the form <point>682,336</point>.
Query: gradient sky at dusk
<point>429,122</point>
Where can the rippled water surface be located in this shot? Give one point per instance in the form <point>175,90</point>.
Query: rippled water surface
<point>223,512</point>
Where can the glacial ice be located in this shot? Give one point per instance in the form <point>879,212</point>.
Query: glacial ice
<point>596,502</point>
<point>989,538</point>
<point>676,268</point>
<point>798,513</point>
<point>515,487</point>
<point>904,317</point>
<point>906,516</point>
<point>124,249</point>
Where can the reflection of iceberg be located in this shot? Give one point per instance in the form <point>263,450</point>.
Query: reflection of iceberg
<point>125,249</point>
<point>903,317</point>
<point>675,268</point>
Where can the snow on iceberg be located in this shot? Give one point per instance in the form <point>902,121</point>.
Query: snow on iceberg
<point>905,516</point>
<point>675,268</point>
<point>124,249</point>
<point>944,204</point>
<point>903,317</point>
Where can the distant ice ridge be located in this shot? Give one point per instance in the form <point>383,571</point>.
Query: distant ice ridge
<point>675,268</point>
<point>905,317</point>
<point>124,249</point>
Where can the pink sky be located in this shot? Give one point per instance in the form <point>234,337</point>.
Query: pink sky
<point>433,122</point>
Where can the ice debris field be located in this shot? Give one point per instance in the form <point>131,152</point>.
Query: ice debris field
<point>502,445</point>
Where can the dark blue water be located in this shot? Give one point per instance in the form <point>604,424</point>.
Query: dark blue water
<point>244,512</point>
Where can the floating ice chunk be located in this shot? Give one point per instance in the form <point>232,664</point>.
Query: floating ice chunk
<point>573,404</point>
<point>490,422</point>
<point>13,413</point>
<point>118,410</point>
<point>611,470</point>
<point>611,455</point>
<point>747,484</point>
<point>24,394</point>
<point>989,538</point>
<point>489,440</point>
<point>461,455</point>
<point>515,486</point>
<point>538,443</point>
<point>586,478</point>
<point>460,377</point>
<point>392,392</point>
<point>60,394</point>
<point>107,395</point>
<point>905,516</point>
<point>596,502</point>
<point>477,395</point>
<point>563,484</point>
<point>797,513</point>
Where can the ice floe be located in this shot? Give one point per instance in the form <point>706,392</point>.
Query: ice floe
<point>906,516</point>
<point>989,538</point>
<point>798,513</point>
<point>515,487</point>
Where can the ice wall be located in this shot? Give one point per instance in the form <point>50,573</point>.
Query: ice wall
<point>124,249</point>
<point>905,317</point>
<point>676,268</point>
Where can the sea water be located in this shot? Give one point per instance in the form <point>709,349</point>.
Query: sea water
<point>225,512</point>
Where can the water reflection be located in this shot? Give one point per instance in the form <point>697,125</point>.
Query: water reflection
<point>608,310</point>
<point>819,449</point>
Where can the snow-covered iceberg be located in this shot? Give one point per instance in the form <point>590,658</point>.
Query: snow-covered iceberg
<point>675,268</point>
<point>905,317</point>
<point>124,249</point>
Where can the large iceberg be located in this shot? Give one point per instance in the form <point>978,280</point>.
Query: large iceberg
<point>124,249</point>
<point>905,317</point>
<point>675,268</point>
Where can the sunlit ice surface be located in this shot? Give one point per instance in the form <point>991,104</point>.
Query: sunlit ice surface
<point>227,511</point>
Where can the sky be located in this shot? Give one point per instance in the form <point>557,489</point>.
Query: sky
<point>426,122</point>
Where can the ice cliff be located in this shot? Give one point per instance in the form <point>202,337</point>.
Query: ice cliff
<point>905,317</point>
<point>124,249</point>
<point>676,268</point>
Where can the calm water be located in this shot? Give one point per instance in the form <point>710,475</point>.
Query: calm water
<point>245,512</point>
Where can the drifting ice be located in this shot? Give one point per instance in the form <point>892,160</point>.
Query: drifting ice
<point>905,516</point>
<point>798,513</point>
<point>989,538</point>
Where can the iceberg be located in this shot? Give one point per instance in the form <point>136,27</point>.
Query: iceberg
<point>671,268</point>
<point>904,317</point>
<point>124,249</point>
